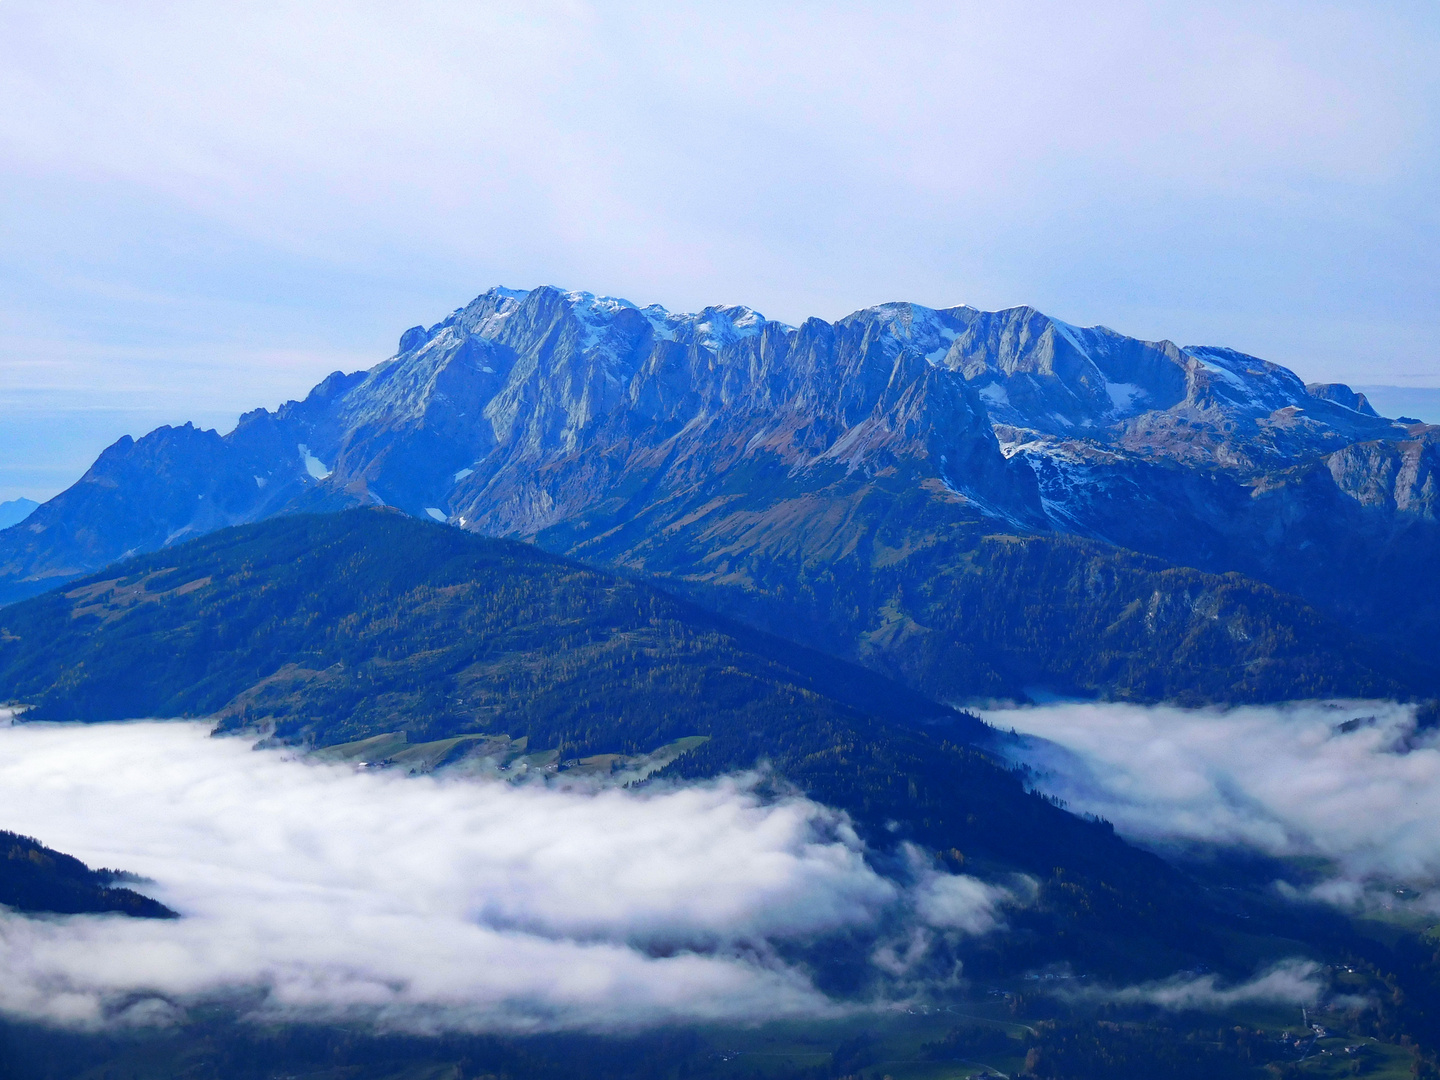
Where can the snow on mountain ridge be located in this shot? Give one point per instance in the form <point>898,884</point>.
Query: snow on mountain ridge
<point>677,443</point>
<point>713,327</point>
<point>931,332</point>
<point>525,409</point>
<point>1029,370</point>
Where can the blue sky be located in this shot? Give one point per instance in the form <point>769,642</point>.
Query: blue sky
<point>204,208</point>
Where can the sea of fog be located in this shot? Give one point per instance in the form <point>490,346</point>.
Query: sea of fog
<point>321,891</point>
<point>327,891</point>
<point>1352,782</point>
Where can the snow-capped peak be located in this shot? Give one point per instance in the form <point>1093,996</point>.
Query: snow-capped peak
<point>922,329</point>
<point>716,327</point>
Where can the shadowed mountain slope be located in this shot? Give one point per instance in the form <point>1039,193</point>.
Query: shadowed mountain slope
<point>331,628</point>
<point>36,878</point>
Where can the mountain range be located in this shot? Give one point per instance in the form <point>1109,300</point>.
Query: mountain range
<point>975,503</point>
<point>15,511</point>
<point>559,533</point>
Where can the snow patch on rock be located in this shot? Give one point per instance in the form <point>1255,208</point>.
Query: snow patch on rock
<point>1123,395</point>
<point>994,394</point>
<point>313,465</point>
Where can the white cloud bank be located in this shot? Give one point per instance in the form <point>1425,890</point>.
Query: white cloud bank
<point>424,904</point>
<point>1350,781</point>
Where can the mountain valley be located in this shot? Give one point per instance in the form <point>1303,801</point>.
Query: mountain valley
<point>362,632</point>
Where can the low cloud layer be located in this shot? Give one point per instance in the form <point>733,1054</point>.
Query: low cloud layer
<point>1353,782</point>
<point>419,903</point>
<point>1291,982</point>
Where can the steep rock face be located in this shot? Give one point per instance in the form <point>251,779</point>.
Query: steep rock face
<point>1349,526</point>
<point>525,410</point>
<point>173,484</point>
<point>756,463</point>
<point>1341,395</point>
<point>1398,478</point>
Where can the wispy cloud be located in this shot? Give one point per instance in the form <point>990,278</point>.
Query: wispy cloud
<point>261,177</point>
<point>1290,982</point>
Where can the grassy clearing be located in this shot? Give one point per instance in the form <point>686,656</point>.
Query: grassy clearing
<point>499,757</point>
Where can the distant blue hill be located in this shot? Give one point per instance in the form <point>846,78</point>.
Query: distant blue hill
<point>16,511</point>
<point>1419,402</point>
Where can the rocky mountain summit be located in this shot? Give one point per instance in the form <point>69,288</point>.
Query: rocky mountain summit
<point>837,482</point>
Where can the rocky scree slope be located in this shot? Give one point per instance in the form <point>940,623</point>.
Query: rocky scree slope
<point>844,483</point>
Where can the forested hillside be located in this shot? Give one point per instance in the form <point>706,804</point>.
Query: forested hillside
<point>36,878</point>
<point>326,629</point>
<point>877,570</point>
